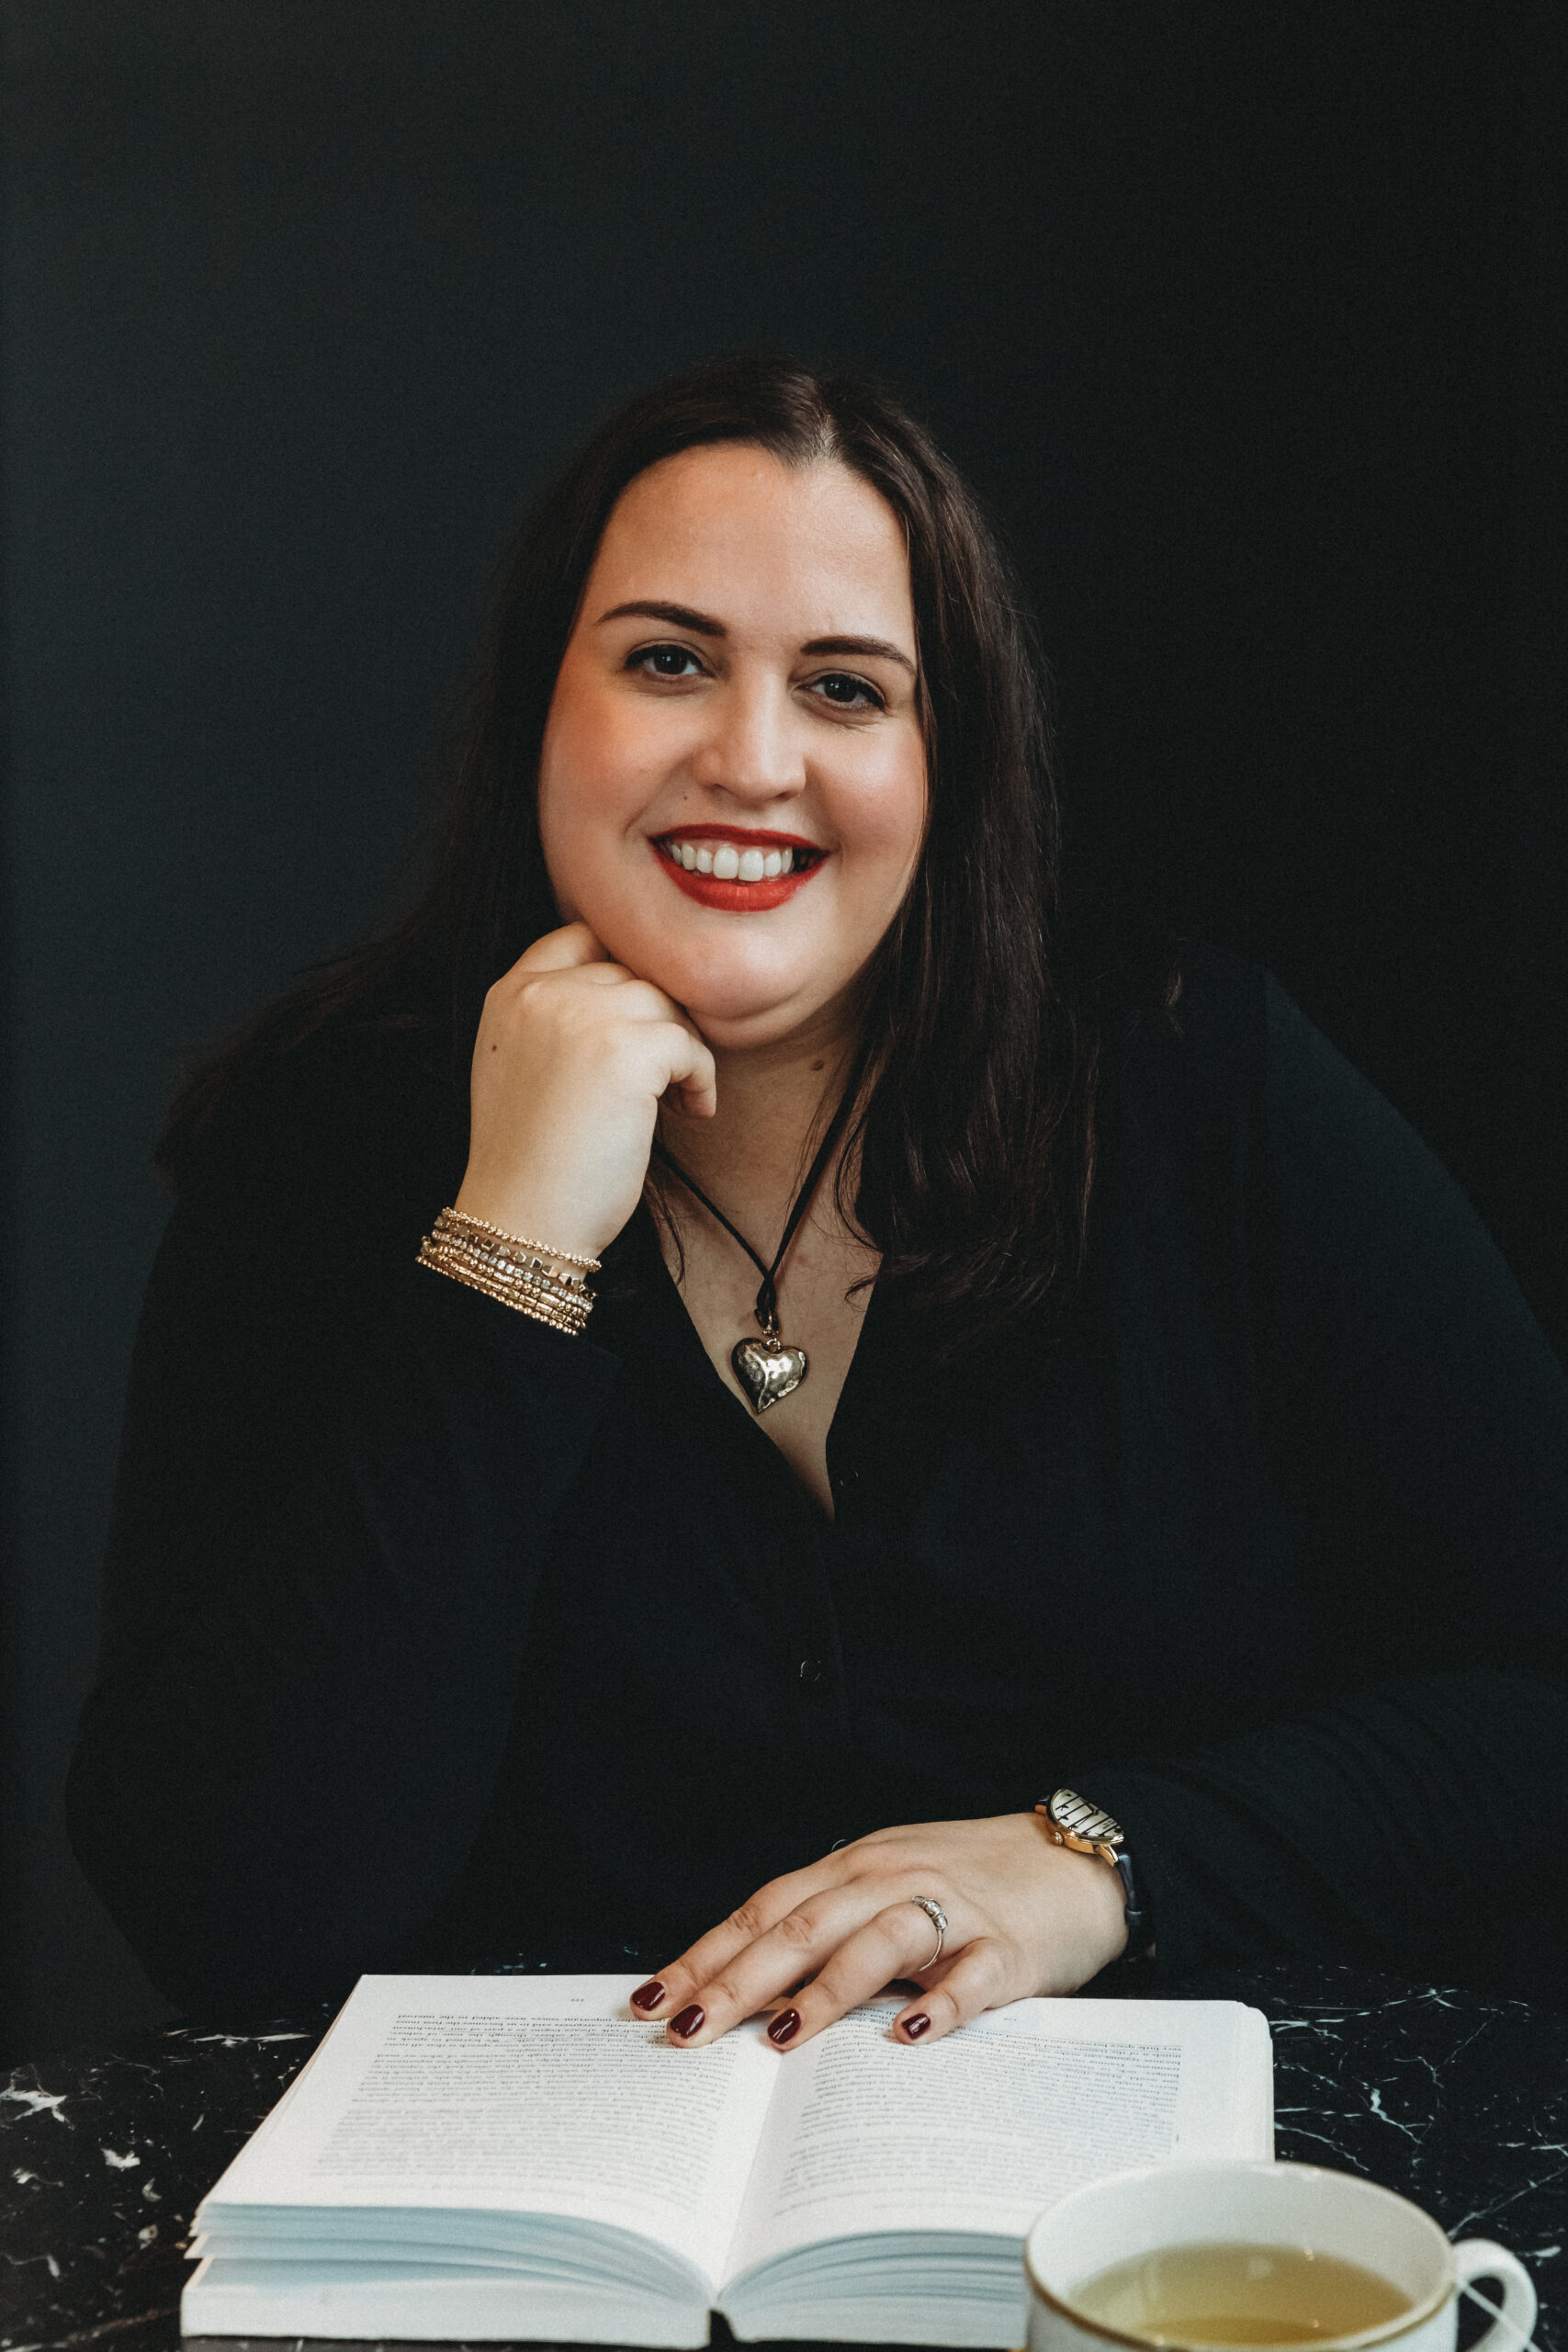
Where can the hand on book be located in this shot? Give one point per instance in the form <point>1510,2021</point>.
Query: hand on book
<point>1024,1915</point>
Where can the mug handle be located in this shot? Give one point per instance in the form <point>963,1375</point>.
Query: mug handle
<point>1511,2325</point>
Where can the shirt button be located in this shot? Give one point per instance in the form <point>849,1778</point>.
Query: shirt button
<point>810,1670</point>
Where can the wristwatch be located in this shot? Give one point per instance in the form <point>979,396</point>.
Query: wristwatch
<point>1074,1822</point>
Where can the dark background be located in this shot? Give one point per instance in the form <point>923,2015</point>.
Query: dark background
<point>1244,319</point>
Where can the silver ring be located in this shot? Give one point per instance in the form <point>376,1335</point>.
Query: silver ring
<point>938,1918</point>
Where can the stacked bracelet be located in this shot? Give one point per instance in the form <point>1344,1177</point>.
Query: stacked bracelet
<point>459,1221</point>
<point>524,1275</point>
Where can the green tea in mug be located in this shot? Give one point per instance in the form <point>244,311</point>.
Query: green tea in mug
<point>1239,2294</point>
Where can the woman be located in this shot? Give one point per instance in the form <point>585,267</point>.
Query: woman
<point>1017,1362</point>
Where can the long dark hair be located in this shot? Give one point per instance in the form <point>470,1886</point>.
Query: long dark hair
<point>989,1006</point>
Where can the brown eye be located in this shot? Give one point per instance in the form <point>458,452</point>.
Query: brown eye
<point>665,661</point>
<point>846,691</point>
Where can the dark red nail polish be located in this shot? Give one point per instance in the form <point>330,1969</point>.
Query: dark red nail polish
<point>916,2025</point>
<point>785,2027</point>
<point>688,2022</point>
<point>648,1995</point>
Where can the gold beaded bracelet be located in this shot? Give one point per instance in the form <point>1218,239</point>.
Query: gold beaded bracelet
<point>510,1264</point>
<point>525,1301</point>
<point>459,1221</point>
<point>526,1295</point>
<point>531,1274</point>
<point>511,1269</point>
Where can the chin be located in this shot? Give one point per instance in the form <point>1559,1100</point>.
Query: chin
<point>745,1031</point>
<point>740,1013</point>
<point>735,997</point>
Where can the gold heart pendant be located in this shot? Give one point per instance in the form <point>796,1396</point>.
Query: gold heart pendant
<point>767,1370</point>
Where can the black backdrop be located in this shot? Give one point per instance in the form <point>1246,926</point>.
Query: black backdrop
<point>1242,318</point>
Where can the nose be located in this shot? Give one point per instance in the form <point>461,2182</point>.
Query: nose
<point>751,748</point>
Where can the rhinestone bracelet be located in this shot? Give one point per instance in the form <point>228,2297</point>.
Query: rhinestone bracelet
<point>459,1221</point>
<point>522,1297</point>
<point>572,1298</point>
<point>518,1279</point>
<point>510,1265</point>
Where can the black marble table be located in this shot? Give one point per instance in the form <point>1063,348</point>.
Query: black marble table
<point>1455,2099</point>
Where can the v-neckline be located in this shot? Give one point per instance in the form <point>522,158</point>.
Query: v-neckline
<point>669,1326</point>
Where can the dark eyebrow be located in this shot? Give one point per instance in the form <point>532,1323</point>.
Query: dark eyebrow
<point>703,625</point>
<point>677,616</point>
<point>873,646</point>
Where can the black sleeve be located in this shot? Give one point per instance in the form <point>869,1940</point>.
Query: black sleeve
<point>1418,1426</point>
<point>337,1475</point>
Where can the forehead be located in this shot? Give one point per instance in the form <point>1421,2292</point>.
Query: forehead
<point>733,531</point>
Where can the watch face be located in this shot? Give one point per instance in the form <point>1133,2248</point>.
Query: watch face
<point>1081,1819</point>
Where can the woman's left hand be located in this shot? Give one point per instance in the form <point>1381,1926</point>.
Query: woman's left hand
<point>1024,1915</point>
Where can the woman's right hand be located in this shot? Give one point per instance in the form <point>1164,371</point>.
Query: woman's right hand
<point>572,1056</point>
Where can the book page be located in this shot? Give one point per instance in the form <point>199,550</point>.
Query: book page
<point>982,2130</point>
<point>514,2095</point>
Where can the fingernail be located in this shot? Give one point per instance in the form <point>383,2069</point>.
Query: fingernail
<point>785,2027</point>
<point>648,1995</point>
<point>687,2023</point>
<point>916,2025</point>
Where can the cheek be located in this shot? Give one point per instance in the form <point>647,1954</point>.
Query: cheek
<point>595,777</point>
<point>886,817</point>
<point>583,763</point>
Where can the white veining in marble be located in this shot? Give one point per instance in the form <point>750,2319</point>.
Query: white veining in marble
<point>1455,2099</point>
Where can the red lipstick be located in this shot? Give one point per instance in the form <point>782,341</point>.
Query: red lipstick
<point>739,897</point>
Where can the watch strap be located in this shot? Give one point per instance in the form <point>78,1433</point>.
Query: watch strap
<point>1075,1821</point>
<point>1138,1936</point>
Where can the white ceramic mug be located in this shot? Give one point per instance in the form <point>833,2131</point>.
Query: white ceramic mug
<point>1261,2203</point>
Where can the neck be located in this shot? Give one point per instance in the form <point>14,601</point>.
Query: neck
<point>774,1103</point>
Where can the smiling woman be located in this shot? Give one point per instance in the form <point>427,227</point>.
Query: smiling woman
<point>523,1578</point>
<point>667,771</point>
<point>739,731</point>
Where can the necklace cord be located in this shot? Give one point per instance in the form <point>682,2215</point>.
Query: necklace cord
<point>767,1295</point>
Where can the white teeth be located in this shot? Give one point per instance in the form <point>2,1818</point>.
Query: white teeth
<point>727,863</point>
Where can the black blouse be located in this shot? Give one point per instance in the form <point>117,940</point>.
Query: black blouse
<point>433,1636</point>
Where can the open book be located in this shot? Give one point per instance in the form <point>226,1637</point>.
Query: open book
<point>521,2158</point>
